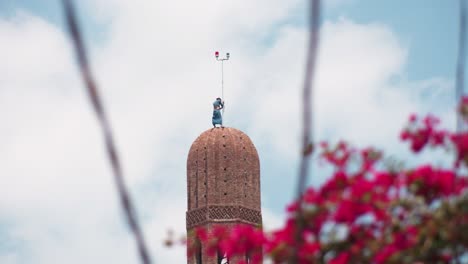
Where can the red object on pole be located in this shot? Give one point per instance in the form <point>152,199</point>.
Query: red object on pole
<point>217,54</point>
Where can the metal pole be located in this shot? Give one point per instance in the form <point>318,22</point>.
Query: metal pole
<point>222,73</point>
<point>222,83</point>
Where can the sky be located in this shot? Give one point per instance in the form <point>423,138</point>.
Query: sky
<point>378,62</point>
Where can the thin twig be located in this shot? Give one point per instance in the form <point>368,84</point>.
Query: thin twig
<point>307,105</point>
<point>92,89</point>
<point>460,75</point>
<point>460,82</point>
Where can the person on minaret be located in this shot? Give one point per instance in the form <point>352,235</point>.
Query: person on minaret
<point>217,117</point>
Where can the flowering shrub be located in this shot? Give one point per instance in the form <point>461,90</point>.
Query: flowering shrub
<point>368,212</point>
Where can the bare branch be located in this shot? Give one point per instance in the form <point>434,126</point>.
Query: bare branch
<point>92,89</point>
<point>307,107</point>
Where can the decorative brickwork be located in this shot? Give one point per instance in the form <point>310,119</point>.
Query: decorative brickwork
<point>250,215</point>
<point>223,213</point>
<point>223,181</point>
<point>196,217</point>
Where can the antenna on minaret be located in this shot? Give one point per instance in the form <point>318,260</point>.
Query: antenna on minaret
<point>222,72</point>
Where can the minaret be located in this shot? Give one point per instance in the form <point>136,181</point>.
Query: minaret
<point>223,186</point>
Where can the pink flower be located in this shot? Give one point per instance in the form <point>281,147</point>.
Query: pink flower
<point>311,196</point>
<point>384,180</point>
<point>419,135</point>
<point>362,189</point>
<point>445,182</point>
<point>369,157</point>
<point>201,233</point>
<point>432,183</point>
<point>346,212</point>
<point>337,183</point>
<point>338,156</point>
<point>463,107</point>
<point>308,251</point>
<point>385,253</point>
<point>461,144</point>
<point>342,258</point>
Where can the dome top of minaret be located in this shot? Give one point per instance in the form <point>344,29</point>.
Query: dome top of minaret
<point>223,168</point>
<point>226,140</point>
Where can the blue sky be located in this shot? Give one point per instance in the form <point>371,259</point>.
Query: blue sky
<point>430,28</point>
<point>379,61</point>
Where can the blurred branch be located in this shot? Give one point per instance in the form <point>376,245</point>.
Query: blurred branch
<point>307,107</point>
<point>307,137</point>
<point>92,89</point>
<point>460,79</point>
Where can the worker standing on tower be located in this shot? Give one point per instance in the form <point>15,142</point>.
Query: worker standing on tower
<point>217,117</point>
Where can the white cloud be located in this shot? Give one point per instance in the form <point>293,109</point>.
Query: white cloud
<point>158,77</point>
<point>271,221</point>
<point>360,93</point>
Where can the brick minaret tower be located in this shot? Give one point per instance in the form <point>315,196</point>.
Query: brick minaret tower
<point>223,186</point>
